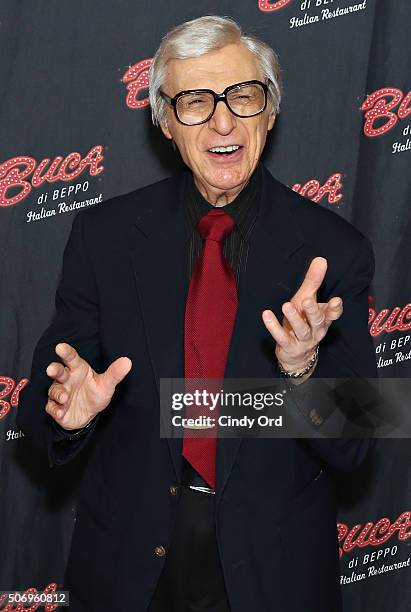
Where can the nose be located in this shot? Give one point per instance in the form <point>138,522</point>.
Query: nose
<point>223,121</point>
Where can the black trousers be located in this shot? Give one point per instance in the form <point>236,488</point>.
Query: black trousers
<point>192,579</point>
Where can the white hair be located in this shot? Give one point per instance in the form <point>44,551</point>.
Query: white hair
<point>202,35</point>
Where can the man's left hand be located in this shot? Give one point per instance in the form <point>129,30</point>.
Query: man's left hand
<point>305,321</point>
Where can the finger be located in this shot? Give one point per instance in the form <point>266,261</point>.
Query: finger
<point>299,326</point>
<point>334,309</point>
<point>117,371</point>
<point>312,280</point>
<point>55,410</point>
<point>57,371</point>
<point>58,393</point>
<point>280,335</point>
<point>315,316</point>
<point>69,355</point>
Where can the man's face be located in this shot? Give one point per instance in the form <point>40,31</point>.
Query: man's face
<point>219,177</point>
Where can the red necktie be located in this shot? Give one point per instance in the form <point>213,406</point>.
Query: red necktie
<point>209,320</point>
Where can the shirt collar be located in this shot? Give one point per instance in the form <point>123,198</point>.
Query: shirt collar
<point>243,209</point>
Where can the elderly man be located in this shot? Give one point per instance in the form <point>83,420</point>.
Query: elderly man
<point>219,271</point>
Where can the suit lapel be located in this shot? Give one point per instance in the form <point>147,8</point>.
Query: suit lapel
<point>158,256</point>
<point>273,268</point>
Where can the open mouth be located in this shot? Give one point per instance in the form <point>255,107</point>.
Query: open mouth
<point>227,151</point>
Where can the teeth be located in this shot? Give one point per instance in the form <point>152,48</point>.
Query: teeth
<point>228,149</point>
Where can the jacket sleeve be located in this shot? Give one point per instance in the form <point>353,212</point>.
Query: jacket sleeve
<point>346,352</point>
<point>75,321</point>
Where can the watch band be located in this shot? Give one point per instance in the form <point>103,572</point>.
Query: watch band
<point>301,373</point>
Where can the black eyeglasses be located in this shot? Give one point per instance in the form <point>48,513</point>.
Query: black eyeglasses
<point>196,106</point>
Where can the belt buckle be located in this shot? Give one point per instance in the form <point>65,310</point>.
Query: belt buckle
<point>202,489</point>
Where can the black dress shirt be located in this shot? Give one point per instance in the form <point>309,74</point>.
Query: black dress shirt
<point>243,210</point>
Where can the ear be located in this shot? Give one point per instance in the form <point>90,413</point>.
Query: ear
<point>165,129</point>
<point>271,120</point>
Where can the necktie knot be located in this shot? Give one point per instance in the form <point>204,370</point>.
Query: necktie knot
<point>215,225</point>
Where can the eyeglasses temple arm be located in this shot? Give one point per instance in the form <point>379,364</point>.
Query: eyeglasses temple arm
<point>165,96</point>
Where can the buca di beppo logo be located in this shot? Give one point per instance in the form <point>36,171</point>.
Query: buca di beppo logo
<point>399,319</point>
<point>15,172</point>
<point>315,192</point>
<point>373,534</point>
<point>378,108</point>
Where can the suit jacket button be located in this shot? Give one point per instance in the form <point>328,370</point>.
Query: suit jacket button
<point>160,551</point>
<point>173,490</point>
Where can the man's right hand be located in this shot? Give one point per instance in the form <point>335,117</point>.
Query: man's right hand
<point>78,393</point>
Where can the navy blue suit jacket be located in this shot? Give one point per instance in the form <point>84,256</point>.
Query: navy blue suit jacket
<point>122,292</point>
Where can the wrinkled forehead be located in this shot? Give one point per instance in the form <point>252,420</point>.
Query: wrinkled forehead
<point>214,70</point>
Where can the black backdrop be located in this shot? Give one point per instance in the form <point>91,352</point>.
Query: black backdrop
<point>73,79</point>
